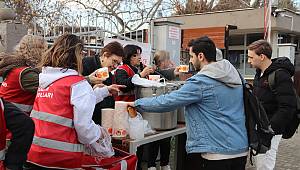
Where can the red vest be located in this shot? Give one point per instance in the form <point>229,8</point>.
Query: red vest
<point>12,91</point>
<point>55,143</point>
<point>129,96</point>
<point>2,136</point>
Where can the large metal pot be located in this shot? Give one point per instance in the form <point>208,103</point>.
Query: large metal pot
<point>158,121</point>
<point>180,110</point>
<point>180,115</point>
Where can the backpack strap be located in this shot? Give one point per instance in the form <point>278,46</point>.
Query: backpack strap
<point>271,80</point>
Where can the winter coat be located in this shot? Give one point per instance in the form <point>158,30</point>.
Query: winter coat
<point>280,107</point>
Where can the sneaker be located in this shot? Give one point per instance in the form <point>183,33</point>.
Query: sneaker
<point>152,168</point>
<point>167,167</point>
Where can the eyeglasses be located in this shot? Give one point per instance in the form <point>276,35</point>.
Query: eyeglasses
<point>136,55</point>
<point>115,62</point>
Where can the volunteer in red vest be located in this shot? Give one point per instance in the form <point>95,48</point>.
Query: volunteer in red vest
<point>63,110</point>
<point>131,66</point>
<point>20,77</point>
<point>2,136</point>
<point>18,92</point>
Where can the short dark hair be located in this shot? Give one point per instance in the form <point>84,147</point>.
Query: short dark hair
<point>113,48</point>
<point>204,45</point>
<point>129,51</point>
<point>261,47</point>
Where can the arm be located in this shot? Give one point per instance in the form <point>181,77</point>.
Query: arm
<point>101,93</point>
<point>286,101</point>
<point>189,93</point>
<point>30,80</point>
<point>122,78</point>
<point>83,100</point>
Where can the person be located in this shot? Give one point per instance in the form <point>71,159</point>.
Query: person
<point>110,56</point>
<point>13,156</point>
<point>131,66</point>
<point>125,72</point>
<point>19,72</point>
<point>166,69</point>
<point>164,66</point>
<point>2,135</point>
<point>216,132</point>
<point>18,92</point>
<point>280,106</point>
<point>62,117</point>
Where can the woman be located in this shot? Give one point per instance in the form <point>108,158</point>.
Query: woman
<point>164,67</point>
<point>18,92</point>
<point>131,66</point>
<point>63,109</point>
<point>111,56</point>
<point>123,75</point>
<point>19,72</point>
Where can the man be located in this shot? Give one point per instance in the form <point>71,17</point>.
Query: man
<point>110,56</point>
<point>15,120</point>
<point>215,119</point>
<point>279,107</point>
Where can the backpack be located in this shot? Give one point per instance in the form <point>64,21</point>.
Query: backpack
<point>258,126</point>
<point>292,126</point>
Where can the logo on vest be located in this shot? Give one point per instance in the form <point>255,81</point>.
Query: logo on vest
<point>4,84</point>
<point>43,93</point>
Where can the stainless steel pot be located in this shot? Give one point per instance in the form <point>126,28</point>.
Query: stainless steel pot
<point>180,115</point>
<point>181,110</point>
<point>158,121</point>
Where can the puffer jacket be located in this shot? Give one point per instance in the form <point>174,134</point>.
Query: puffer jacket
<point>279,107</point>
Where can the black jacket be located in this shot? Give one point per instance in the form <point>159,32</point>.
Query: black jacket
<point>279,107</point>
<point>90,64</point>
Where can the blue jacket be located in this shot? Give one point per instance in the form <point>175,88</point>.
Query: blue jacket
<point>213,99</point>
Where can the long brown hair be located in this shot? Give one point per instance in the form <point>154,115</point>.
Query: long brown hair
<point>66,53</point>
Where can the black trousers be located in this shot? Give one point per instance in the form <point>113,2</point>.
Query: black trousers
<point>22,128</point>
<point>196,162</point>
<point>164,146</point>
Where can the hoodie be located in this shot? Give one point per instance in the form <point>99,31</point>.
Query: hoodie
<point>81,94</point>
<point>214,111</point>
<point>222,71</point>
<point>279,107</point>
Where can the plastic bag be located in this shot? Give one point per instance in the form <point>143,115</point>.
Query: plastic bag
<point>102,148</point>
<point>138,127</point>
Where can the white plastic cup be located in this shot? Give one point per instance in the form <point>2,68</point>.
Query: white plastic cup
<point>184,68</point>
<point>154,77</point>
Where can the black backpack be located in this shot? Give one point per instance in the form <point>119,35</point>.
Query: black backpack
<point>258,126</point>
<point>292,126</point>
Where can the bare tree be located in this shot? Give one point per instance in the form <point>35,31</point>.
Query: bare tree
<point>289,4</point>
<point>200,6</point>
<point>124,14</point>
<point>192,6</point>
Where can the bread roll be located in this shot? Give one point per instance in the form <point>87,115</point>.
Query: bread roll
<point>131,111</point>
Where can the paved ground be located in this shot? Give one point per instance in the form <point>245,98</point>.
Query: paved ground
<point>288,157</point>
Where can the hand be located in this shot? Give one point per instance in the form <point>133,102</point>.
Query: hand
<point>94,79</point>
<point>98,86</point>
<point>130,104</point>
<point>176,71</point>
<point>147,70</point>
<point>114,88</point>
